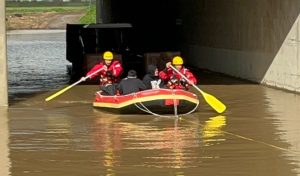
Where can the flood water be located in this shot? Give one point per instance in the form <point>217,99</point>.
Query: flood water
<point>259,134</point>
<point>36,61</point>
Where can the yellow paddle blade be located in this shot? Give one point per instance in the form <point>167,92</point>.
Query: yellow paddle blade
<point>211,100</point>
<point>58,93</point>
<point>214,102</point>
<point>67,88</point>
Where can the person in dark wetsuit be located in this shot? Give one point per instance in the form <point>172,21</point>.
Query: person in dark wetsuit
<point>151,79</point>
<point>130,84</point>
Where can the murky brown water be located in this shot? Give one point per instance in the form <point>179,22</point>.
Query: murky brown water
<point>259,134</point>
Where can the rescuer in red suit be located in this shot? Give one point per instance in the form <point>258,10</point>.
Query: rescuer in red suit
<point>172,79</point>
<point>110,72</point>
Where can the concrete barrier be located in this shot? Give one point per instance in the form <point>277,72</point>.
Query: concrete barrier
<point>3,59</point>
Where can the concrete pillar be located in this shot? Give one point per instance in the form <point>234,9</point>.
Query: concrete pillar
<point>106,11</point>
<point>103,11</point>
<point>3,60</point>
<point>98,11</point>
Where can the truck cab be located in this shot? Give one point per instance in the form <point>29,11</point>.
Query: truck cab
<point>85,45</point>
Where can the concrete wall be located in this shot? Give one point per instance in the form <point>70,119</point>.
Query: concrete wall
<point>103,11</point>
<point>3,60</point>
<point>256,40</point>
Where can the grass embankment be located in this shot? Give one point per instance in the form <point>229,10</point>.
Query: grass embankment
<point>90,16</point>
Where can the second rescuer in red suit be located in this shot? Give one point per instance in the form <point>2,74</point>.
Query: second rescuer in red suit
<point>172,79</point>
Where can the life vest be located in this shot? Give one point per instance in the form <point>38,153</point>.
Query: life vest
<point>181,83</point>
<point>110,76</point>
<point>173,83</point>
<point>106,78</point>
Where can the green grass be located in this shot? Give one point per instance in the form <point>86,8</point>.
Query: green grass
<point>23,10</point>
<point>90,16</point>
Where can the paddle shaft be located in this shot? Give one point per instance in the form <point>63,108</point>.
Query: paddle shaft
<point>216,104</point>
<point>72,85</point>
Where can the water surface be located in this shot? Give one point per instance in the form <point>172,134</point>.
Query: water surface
<point>257,135</point>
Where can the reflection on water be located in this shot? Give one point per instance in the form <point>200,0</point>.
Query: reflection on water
<point>167,146</point>
<point>36,61</point>
<point>4,150</point>
<point>285,108</point>
<point>212,130</point>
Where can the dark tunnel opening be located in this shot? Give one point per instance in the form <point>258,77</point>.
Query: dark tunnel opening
<point>154,23</point>
<point>153,38</point>
<point>237,38</point>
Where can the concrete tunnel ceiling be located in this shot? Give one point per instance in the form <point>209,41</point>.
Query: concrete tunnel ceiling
<point>256,40</point>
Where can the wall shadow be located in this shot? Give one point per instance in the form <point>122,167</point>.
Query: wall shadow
<point>250,30</point>
<point>253,31</point>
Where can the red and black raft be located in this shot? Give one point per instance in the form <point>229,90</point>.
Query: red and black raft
<point>160,101</point>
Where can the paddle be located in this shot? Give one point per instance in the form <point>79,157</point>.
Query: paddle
<point>216,104</point>
<point>70,86</point>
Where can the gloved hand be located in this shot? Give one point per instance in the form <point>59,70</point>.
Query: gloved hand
<point>83,79</point>
<point>104,67</point>
<point>168,64</point>
<point>186,85</point>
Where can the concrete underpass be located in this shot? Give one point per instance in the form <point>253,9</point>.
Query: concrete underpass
<point>258,134</point>
<point>254,40</point>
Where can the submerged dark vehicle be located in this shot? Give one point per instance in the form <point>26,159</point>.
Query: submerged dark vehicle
<point>87,43</point>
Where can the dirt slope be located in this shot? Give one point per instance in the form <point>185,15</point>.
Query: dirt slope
<point>50,20</point>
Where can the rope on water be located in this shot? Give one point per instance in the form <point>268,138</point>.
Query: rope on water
<point>143,108</point>
<point>253,140</point>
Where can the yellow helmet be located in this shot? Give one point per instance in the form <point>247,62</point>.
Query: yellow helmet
<point>108,55</point>
<point>177,60</point>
